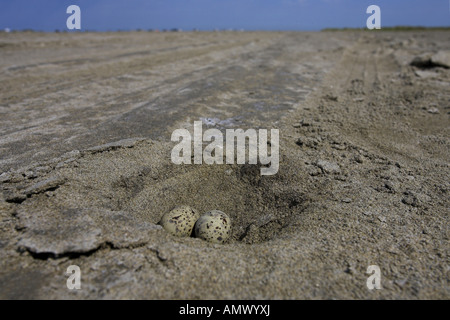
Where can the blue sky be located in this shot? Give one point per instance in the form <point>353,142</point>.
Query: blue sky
<point>102,15</point>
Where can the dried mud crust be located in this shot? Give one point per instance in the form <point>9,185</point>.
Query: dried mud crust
<point>363,180</point>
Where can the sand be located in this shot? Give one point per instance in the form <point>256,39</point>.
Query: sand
<point>86,173</point>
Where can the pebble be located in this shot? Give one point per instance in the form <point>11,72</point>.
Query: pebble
<point>328,167</point>
<point>5,177</point>
<point>339,146</point>
<point>313,171</point>
<point>410,200</point>
<point>433,110</point>
<point>358,158</point>
<point>442,58</point>
<point>50,183</point>
<point>308,142</point>
<point>400,282</point>
<point>390,186</point>
<point>425,74</point>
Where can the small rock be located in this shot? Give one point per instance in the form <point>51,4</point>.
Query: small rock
<point>410,199</point>
<point>74,154</point>
<point>63,163</point>
<point>43,169</point>
<point>265,219</point>
<point>359,158</point>
<point>45,185</point>
<point>390,186</point>
<point>328,167</point>
<point>427,60</point>
<point>331,97</point>
<point>308,142</point>
<point>314,171</point>
<point>425,74</point>
<point>350,270</point>
<point>442,59</point>
<point>30,174</point>
<point>400,282</point>
<point>5,177</point>
<point>339,146</point>
<point>340,178</point>
<point>305,123</point>
<point>347,200</point>
<point>433,110</point>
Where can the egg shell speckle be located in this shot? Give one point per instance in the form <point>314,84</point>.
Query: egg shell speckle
<point>213,226</point>
<point>180,221</point>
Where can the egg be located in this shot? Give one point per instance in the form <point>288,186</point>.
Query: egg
<point>180,221</point>
<point>213,226</point>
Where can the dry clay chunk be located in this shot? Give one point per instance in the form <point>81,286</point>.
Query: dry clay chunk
<point>213,226</point>
<point>180,221</point>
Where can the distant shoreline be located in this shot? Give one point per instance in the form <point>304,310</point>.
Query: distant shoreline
<point>395,28</point>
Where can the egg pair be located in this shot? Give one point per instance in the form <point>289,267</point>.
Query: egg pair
<point>213,226</point>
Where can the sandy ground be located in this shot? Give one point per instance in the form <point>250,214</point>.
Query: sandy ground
<point>86,174</point>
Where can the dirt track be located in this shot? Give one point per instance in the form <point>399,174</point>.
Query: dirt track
<point>364,172</point>
<point>65,92</point>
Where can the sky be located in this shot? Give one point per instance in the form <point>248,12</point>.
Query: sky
<point>112,15</point>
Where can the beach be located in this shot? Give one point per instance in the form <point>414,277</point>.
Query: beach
<point>86,172</point>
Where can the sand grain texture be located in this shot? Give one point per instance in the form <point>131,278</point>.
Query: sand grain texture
<point>85,170</point>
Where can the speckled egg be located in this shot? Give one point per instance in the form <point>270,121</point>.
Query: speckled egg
<point>180,221</point>
<point>213,226</point>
